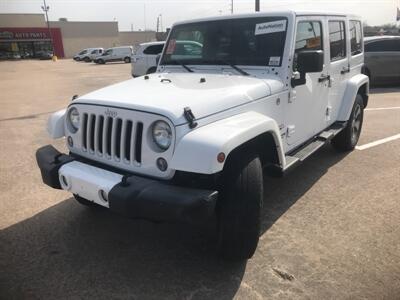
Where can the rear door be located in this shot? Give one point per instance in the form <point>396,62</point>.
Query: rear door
<point>339,66</point>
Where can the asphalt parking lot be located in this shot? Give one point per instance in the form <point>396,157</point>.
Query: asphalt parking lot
<point>330,228</point>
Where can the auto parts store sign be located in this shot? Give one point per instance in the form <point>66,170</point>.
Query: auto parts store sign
<point>24,35</point>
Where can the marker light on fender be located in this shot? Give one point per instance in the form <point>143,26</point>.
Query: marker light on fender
<point>221,157</point>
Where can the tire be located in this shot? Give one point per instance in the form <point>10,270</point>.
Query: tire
<point>347,139</point>
<point>127,60</point>
<point>101,61</point>
<point>151,70</point>
<point>239,207</point>
<point>86,59</point>
<point>84,201</point>
<point>78,59</point>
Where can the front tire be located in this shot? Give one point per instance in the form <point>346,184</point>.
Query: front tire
<point>86,59</point>
<point>127,60</point>
<point>239,207</point>
<point>347,139</point>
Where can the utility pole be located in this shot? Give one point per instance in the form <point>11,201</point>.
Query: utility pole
<point>46,8</point>
<point>232,7</point>
<point>257,5</point>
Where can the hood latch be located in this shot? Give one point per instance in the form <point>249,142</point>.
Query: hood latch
<point>189,116</point>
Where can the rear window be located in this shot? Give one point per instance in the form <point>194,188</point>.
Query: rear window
<point>355,37</point>
<point>337,40</point>
<point>383,46</point>
<point>153,50</point>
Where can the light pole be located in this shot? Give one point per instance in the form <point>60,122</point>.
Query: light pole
<point>232,7</point>
<point>46,8</point>
<point>257,5</point>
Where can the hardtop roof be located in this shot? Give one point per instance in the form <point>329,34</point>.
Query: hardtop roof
<point>285,13</point>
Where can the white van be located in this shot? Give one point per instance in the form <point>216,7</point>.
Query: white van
<point>123,53</point>
<point>88,54</point>
<point>144,59</point>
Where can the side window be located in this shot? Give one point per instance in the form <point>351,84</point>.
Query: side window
<point>383,46</point>
<point>153,50</point>
<point>337,40</point>
<point>309,36</point>
<point>355,37</point>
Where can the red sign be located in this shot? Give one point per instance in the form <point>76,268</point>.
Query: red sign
<point>34,34</point>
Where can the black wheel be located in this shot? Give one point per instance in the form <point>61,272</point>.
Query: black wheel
<point>127,59</point>
<point>78,59</point>
<point>151,70</point>
<point>239,207</point>
<point>347,139</point>
<point>84,201</point>
<point>101,61</point>
<point>86,59</point>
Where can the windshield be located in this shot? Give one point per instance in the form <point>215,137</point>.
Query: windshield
<point>83,52</point>
<point>250,41</point>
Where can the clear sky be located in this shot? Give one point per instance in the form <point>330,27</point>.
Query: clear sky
<point>141,13</point>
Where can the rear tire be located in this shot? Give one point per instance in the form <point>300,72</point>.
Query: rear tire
<point>239,207</point>
<point>84,201</point>
<point>86,59</point>
<point>347,139</point>
<point>101,61</point>
<point>127,60</point>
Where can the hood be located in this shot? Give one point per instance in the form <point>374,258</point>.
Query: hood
<point>168,94</point>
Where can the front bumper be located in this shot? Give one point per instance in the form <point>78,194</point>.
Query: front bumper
<point>129,195</point>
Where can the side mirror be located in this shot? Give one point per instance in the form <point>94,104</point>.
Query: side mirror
<point>158,58</point>
<point>308,61</point>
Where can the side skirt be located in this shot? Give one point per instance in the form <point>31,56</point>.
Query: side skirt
<point>304,151</point>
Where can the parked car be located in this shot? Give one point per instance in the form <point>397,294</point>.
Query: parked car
<point>88,54</point>
<point>146,63</point>
<point>144,58</point>
<point>44,55</point>
<point>263,93</point>
<point>382,59</point>
<point>123,53</point>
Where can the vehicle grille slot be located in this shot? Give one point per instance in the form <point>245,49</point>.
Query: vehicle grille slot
<point>128,139</point>
<point>108,131</point>
<point>84,128</point>
<point>138,142</point>
<point>90,132</point>
<point>117,142</point>
<point>99,134</point>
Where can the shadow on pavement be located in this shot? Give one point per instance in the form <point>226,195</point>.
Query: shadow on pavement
<point>70,251</point>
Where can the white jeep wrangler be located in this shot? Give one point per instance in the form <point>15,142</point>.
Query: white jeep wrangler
<point>259,92</point>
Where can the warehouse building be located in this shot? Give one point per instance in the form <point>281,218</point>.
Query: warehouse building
<point>27,35</point>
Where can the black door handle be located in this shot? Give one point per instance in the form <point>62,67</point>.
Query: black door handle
<point>345,70</point>
<point>324,78</point>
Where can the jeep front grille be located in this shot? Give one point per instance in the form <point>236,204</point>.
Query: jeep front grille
<point>112,138</point>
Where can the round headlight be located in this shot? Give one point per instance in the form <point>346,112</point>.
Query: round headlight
<point>74,118</point>
<point>162,134</point>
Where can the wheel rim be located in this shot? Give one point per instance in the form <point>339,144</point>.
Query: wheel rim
<point>356,124</point>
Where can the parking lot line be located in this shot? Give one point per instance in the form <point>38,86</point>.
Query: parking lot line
<point>379,142</point>
<point>382,108</point>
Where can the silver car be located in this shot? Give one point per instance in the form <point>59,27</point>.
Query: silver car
<point>382,59</point>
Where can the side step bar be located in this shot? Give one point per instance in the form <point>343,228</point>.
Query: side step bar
<point>300,154</point>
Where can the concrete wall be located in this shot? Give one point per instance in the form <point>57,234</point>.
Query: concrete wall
<point>130,38</point>
<point>80,35</point>
<point>22,20</point>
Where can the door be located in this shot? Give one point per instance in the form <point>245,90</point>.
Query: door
<point>339,66</point>
<point>306,101</point>
<point>150,54</point>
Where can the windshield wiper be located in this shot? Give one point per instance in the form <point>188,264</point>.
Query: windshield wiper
<point>233,66</point>
<point>181,64</point>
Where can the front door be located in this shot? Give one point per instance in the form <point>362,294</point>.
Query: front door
<point>303,112</point>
